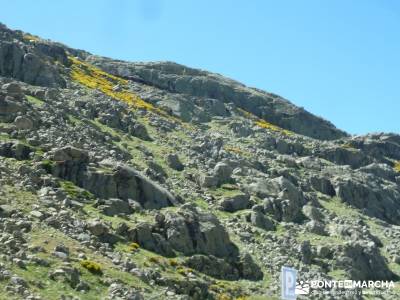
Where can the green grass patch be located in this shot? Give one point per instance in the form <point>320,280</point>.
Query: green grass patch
<point>73,120</point>
<point>35,101</point>
<point>74,191</point>
<point>47,165</point>
<point>340,208</point>
<point>17,198</point>
<point>201,203</point>
<point>338,274</point>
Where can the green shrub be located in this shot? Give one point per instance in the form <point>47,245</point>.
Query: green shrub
<point>47,165</point>
<point>75,192</point>
<point>181,271</point>
<point>173,262</point>
<point>184,271</point>
<point>91,266</point>
<point>154,259</point>
<point>133,247</point>
<point>397,166</point>
<point>223,297</point>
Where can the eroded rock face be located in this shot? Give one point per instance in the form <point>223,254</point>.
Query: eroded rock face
<point>10,102</point>
<point>187,232</point>
<point>379,146</point>
<point>192,232</point>
<point>121,182</point>
<point>344,156</point>
<point>243,268</point>
<point>377,202</point>
<point>201,237</point>
<point>259,220</point>
<point>212,266</point>
<point>283,200</point>
<point>322,185</point>
<point>183,80</point>
<point>380,170</point>
<point>23,64</point>
<point>71,154</point>
<point>15,150</point>
<point>364,262</point>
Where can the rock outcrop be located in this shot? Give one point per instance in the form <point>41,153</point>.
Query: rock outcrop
<point>180,79</point>
<point>120,182</point>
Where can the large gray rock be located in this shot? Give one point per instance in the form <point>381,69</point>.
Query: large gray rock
<point>363,261</point>
<point>23,64</point>
<point>23,123</point>
<point>143,234</point>
<point>286,201</point>
<point>223,172</point>
<point>126,183</point>
<point>235,202</point>
<point>70,153</point>
<point>240,129</point>
<point>113,207</point>
<point>263,188</point>
<point>259,220</point>
<point>97,227</point>
<point>139,130</point>
<point>16,150</point>
<point>6,211</point>
<point>380,170</point>
<point>187,231</point>
<point>212,266</point>
<point>207,181</point>
<point>12,89</point>
<point>380,146</point>
<point>174,162</point>
<point>312,212</point>
<point>371,198</point>
<point>191,231</point>
<point>322,185</point>
<point>316,227</point>
<point>9,108</point>
<point>248,269</point>
<point>214,107</point>
<point>121,182</point>
<point>346,156</point>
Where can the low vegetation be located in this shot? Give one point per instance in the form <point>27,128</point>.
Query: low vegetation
<point>263,123</point>
<point>92,266</point>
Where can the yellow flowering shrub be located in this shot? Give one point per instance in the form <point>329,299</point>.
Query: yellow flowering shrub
<point>173,262</point>
<point>397,166</point>
<point>223,297</point>
<point>29,37</point>
<point>155,259</point>
<point>133,247</point>
<point>233,149</point>
<point>113,86</point>
<point>264,124</point>
<point>91,266</point>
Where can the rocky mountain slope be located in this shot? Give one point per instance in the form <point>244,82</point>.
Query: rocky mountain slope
<point>123,180</point>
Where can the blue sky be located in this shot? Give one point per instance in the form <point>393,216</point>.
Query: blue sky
<point>339,59</point>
